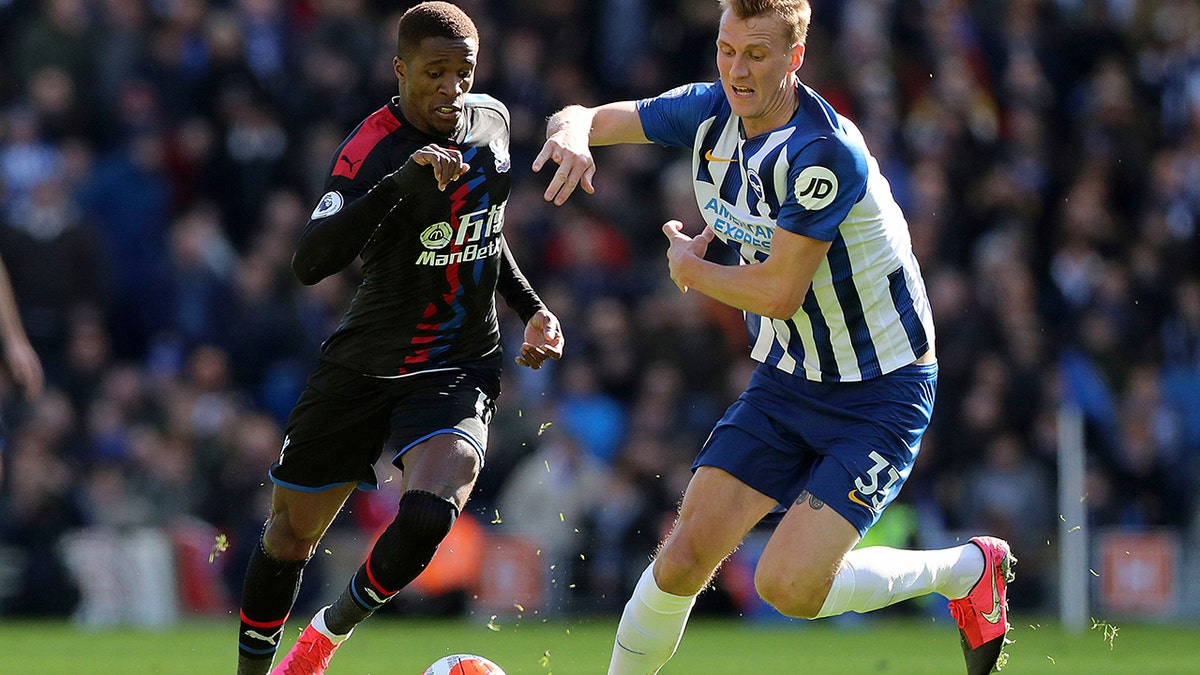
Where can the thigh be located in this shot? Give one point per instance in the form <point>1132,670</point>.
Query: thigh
<point>335,433</point>
<point>717,512</point>
<point>455,402</point>
<point>808,545</point>
<point>300,518</point>
<point>861,438</point>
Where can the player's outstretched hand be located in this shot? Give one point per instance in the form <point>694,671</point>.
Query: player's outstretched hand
<point>543,340</point>
<point>575,165</point>
<point>446,162</point>
<point>683,251</point>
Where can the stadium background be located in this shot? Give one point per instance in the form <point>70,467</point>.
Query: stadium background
<point>158,158</point>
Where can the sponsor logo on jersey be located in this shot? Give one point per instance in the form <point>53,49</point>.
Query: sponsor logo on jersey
<point>437,236</point>
<point>330,204</point>
<point>816,187</point>
<point>728,225</point>
<point>469,253</point>
<point>477,236</point>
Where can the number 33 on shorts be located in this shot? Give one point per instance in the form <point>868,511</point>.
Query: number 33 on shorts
<point>869,492</point>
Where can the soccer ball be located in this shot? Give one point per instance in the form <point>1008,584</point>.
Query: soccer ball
<point>463,664</point>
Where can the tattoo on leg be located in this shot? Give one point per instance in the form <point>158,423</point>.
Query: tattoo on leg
<point>812,500</point>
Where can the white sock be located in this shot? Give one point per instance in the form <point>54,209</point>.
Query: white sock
<point>878,576</point>
<point>318,623</point>
<point>650,629</point>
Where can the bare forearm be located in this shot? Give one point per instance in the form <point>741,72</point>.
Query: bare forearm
<point>11,329</point>
<point>573,118</point>
<point>608,124</point>
<point>750,288</point>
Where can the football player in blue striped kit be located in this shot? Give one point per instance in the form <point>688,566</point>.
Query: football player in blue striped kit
<point>840,324</point>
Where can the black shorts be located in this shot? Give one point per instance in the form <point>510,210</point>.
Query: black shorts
<point>343,420</point>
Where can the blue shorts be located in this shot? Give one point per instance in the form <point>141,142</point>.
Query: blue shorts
<point>849,444</point>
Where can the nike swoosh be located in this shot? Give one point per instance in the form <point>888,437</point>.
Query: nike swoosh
<point>858,500</point>
<point>713,158</point>
<point>631,651</point>
<point>994,615</point>
<point>375,596</point>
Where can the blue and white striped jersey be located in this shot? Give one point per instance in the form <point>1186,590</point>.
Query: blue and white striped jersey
<point>866,313</point>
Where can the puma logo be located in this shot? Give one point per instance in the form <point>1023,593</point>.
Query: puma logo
<point>271,639</point>
<point>348,162</point>
<point>376,597</point>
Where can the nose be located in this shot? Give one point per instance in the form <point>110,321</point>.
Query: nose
<point>738,66</point>
<point>452,86</point>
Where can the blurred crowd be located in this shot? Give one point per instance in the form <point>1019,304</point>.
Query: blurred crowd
<point>158,158</point>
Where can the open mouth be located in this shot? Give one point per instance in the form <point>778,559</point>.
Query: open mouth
<point>741,92</point>
<point>446,112</point>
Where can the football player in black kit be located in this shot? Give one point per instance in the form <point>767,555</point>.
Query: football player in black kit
<point>418,191</point>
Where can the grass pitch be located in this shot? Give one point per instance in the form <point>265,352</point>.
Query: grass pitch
<point>390,646</point>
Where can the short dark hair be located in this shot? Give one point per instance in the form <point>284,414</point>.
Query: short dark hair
<point>795,13</point>
<point>432,19</point>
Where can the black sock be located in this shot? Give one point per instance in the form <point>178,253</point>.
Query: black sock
<point>267,598</point>
<point>402,552</point>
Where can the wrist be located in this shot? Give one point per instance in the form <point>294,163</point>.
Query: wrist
<point>413,177</point>
<point>687,271</point>
<point>569,121</point>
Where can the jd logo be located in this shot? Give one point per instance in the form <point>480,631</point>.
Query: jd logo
<point>816,187</point>
<point>436,236</point>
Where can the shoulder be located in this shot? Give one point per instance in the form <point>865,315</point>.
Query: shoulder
<point>483,104</point>
<point>699,94</point>
<point>377,126</point>
<point>366,141</point>
<point>822,136</point>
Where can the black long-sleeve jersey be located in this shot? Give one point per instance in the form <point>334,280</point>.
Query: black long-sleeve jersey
<point>432,260</point>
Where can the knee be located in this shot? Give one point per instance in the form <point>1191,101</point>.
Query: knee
<point>425,517</point>
<point>792,594</point>
<point>682,569</point>
<point>283,542</point>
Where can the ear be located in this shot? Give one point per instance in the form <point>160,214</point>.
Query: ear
<point>400,68</point>
<point>797,58</point>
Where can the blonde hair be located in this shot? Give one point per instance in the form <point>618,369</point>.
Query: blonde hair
<point>796,14</point>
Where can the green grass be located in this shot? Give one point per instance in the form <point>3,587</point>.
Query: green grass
<point>389,646</point>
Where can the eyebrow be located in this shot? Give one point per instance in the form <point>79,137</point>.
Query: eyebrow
<point>446,59</point>
<point>762,44</point>
<point>753,45</point>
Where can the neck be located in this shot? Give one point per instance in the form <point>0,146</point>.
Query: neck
<point>779,113</point>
